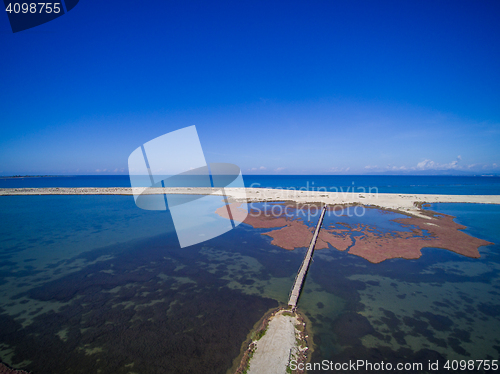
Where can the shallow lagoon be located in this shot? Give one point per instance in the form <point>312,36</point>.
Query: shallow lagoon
<point>92,282</point>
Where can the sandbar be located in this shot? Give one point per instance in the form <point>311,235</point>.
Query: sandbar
<point>440,230</point>
<point>408,203</point>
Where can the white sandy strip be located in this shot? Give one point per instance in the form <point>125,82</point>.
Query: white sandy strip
<point>402,202</point>
<point>273,349</point>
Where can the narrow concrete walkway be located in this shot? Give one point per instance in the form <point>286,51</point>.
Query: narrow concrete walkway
<point>299,279</point>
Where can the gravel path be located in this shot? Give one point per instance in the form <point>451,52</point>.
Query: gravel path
<point>273,349</point>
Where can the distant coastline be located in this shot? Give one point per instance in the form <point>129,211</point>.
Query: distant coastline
<point>29,176</point>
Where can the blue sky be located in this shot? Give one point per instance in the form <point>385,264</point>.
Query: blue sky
<point>288,87</point>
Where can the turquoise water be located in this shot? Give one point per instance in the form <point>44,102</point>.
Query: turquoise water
<point>442,306</point>
<point>92,283</point>
<point>448,185</point>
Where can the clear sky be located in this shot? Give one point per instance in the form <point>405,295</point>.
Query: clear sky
<point>289,87</point>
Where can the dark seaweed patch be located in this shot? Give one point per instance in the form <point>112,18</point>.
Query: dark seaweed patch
<point>443,305</point>
<point>462,315</point>
<point>390,319</point>
<point>437,321</point>
<point>400,337</point>
<point>393,323</point>
<point>455,345</point>
<point>36,311</point>
<point>416,324</point>
<point>492,310</point>
<point>470,310</point>
<point>462,335</point>
<point>351,327</point>
<point>465,298</point>
<point>133,309</point>
<point>420,328</point>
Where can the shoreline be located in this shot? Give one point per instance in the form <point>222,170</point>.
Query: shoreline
<point>406,203</point>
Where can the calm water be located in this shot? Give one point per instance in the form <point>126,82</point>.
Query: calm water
<point>450,185</point>
<point>92,283</point>
<point>441,306</point>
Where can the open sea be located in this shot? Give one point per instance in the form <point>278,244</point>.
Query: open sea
<point>93,284</point>
<point>448,185</point>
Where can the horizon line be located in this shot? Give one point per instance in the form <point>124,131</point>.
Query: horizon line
<point>266,175</point>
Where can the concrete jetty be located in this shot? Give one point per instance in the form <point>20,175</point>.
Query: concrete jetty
<point>301,274</point>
